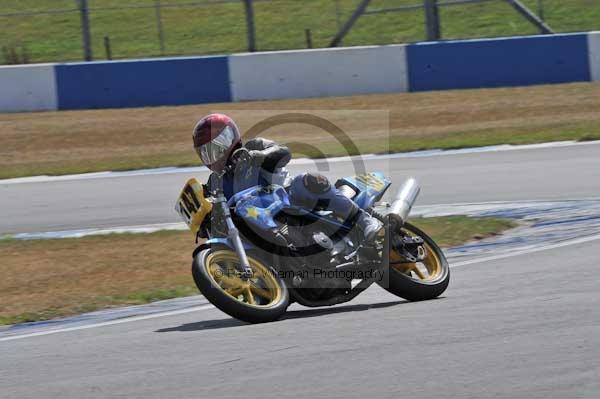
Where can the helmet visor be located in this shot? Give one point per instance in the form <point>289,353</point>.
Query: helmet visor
<point>217,148</point>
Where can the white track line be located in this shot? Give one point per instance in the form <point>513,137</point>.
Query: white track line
<point>208,306</point>
<point>110,323</point>
<point>79,233</point>
<point>302,161</point>
<point>567,243</point>
<point>151,228</point>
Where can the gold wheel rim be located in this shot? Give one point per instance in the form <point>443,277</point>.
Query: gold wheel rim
<point>261,290</point>
<point>428,270</point>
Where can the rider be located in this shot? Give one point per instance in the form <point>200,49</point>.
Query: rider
<point>218,143</point>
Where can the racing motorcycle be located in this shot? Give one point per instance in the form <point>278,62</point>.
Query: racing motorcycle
<point>259,253</point>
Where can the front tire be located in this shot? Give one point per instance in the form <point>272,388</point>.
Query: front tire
<point>263,298</point>
<point>418,281</point>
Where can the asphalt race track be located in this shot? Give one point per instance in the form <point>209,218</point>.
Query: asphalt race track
<point>526,326</point>
<point>571,172</point>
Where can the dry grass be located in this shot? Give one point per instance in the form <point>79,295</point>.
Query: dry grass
<point>44,279</point>
<point>83,141</point>
<point>49,278</point>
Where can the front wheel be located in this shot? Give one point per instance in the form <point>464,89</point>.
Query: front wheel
<point>422,280</point>
<point>259,299</point>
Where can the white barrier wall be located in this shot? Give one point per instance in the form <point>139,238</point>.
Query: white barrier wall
<point>318,73</point>
<point>27,88</point>
<point>594,54</point>
<point>499,62</point>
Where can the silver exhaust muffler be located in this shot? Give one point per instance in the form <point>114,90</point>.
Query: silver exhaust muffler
<point>404,201</point>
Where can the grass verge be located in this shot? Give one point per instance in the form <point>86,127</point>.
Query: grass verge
<point>68,142</point>
<point>215,26</point>
<point>45,279</point>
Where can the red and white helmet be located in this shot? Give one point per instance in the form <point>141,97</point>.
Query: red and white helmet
<point>216,136</point>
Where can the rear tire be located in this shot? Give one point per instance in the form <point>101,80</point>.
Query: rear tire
<point>404,285</point>
<point>211,286</point>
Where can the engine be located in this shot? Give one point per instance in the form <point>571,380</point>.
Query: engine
<point>316,251</point>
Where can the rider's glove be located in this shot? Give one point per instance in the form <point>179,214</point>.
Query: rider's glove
<point>257,157</point>
<point>243,159</point>
<point>240,156</point>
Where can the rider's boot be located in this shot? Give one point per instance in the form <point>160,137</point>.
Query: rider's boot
<point>368,225</point>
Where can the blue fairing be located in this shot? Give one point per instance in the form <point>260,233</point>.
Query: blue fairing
<point>370,187</point>
<point>258,205</point>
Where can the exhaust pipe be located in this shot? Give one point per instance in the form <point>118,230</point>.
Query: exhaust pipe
<point>404,201</point>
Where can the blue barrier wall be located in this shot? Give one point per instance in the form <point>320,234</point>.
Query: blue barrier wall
<point>501,62</point>
<point>512,61</point>
<point>139,83</point>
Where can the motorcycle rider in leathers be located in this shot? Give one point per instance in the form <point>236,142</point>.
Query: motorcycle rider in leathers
<point>218,143</point>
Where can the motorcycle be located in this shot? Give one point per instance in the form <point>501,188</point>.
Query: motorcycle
<point>261,253</point>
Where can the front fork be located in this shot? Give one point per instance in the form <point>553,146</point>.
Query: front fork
<point>233,235</point>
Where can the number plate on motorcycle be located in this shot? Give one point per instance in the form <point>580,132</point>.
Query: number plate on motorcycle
<point>192,206</point>
<point>371,180</point>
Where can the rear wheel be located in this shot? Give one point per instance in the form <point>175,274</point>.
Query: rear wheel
<point>421,280</point>
<point>262,298</point>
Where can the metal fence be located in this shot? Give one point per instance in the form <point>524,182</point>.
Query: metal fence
<point>66,30</point>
